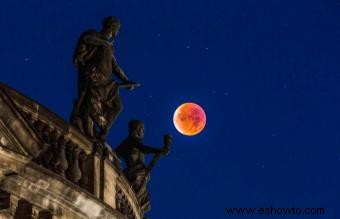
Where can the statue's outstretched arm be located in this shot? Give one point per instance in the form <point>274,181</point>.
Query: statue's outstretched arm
<point>118,71</point>
<point>149,150</point>
<point>163,150</point>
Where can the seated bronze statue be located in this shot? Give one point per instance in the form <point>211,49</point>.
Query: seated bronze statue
<point>132,152</point>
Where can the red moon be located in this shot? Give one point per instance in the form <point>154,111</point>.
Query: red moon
<point>189,119</point>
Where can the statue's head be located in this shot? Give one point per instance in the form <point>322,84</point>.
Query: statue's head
<point>111,25</point>
<point>136,128</point>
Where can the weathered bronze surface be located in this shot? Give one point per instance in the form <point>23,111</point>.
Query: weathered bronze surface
<point>132,152</point>
<point>45,161</point>
<point>99,103</point>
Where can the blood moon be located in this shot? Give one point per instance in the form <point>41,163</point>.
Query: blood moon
<point>189,119</point>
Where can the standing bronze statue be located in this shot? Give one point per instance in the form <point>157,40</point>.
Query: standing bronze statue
<point>132,152</point>
<point>99,102</point>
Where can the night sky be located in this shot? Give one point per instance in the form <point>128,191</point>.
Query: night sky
<point>267,73</point>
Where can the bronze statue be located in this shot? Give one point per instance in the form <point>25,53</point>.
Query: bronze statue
<point>99,102</point>
<point>132,152</point>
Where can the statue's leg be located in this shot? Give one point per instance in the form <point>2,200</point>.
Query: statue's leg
<point>88,124</point>
<point>78,103</point>
<point>111,115</point>
<point>75,118</point>
<point>82,83</point>
<point>74,113</point>
<point>143,195</point>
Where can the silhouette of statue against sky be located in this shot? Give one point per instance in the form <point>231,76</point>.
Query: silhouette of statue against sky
<point>131,150</point>
<point>98,103</point>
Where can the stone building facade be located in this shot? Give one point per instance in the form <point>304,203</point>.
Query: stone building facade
<point>48,170</point>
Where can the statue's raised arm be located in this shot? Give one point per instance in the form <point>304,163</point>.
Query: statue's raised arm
<point>132,152</point>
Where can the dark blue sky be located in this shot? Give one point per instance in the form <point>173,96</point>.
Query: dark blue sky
<point>267,74</point>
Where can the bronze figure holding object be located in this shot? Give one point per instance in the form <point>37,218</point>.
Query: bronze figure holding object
<point>132,152</point>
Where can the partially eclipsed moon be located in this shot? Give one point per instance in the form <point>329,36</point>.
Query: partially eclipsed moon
<point>189,119</point>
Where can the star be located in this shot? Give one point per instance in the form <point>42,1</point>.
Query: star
<point>26,59</point>
<point>188,47</point>
<point>226,94</point>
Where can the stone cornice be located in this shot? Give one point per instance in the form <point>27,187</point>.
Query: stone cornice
<point>45,156</point>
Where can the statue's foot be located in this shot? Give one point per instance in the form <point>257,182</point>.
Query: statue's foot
<point>77,123</point>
